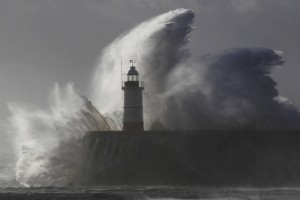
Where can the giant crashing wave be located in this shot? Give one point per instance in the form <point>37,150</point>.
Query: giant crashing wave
<point>228,90</point>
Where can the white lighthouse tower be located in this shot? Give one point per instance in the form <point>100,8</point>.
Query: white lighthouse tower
<point>133,101</point>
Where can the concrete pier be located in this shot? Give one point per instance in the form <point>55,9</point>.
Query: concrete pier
<point>202,158</point>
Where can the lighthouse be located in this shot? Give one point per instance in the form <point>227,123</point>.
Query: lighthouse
<point>133,101</point>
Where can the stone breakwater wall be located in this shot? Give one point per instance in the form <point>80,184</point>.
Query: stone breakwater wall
<point>202,158</point>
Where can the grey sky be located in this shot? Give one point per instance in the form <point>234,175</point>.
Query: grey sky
<point>47,41</point>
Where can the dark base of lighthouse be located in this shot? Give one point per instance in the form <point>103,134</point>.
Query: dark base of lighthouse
<point>133,126</point>
<point>208,158</point>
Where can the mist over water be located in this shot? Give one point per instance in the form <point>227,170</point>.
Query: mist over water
<point>227,90</point>
<point>242,95</point>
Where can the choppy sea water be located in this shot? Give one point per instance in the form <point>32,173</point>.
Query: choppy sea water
<point>149,193</point>
<point>11,190</point>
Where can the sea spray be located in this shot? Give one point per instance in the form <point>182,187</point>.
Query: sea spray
<point>242,94</point>
<point>48,140</point>
<point>227,90</point>
<point>158,45</point>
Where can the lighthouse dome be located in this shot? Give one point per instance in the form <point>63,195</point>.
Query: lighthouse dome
<point>132,71</point>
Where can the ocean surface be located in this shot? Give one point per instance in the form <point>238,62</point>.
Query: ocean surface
<point>157,192</point>
<point>11,190</point>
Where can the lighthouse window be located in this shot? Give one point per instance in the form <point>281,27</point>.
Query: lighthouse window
<point>133,78</point>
